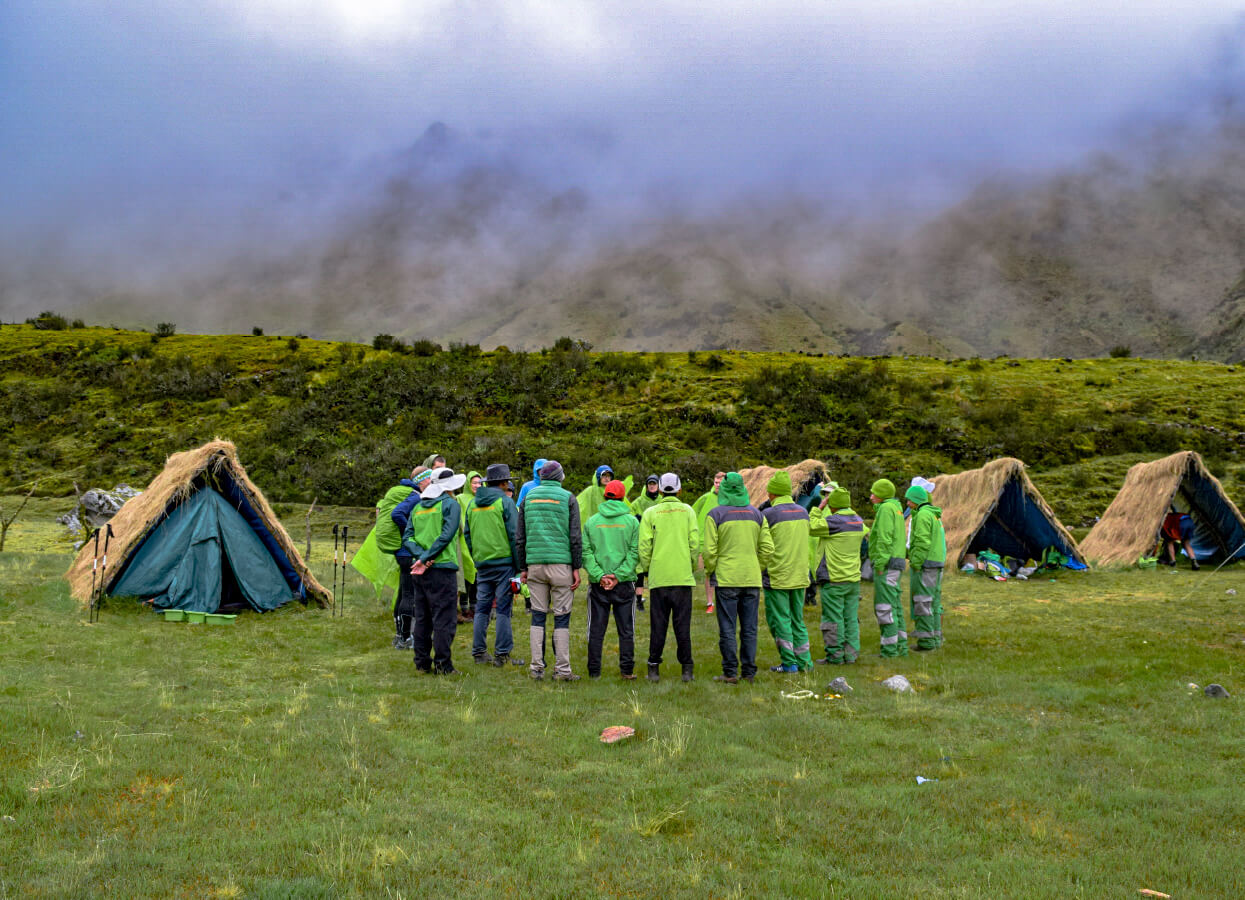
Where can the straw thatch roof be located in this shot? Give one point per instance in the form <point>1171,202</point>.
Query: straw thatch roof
<point>804,477</point>
<point>1130,527</point>
<point>968,500</point>
<point>142,513</point>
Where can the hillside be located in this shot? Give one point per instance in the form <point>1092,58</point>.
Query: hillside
<point>96,406</point>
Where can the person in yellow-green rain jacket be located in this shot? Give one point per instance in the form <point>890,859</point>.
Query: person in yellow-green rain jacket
<point>786,575</point>
<point>839,532</point>
<point>669,545</point>
<point>467,596</point>
<point>927,555</point>
<point>888,552</point>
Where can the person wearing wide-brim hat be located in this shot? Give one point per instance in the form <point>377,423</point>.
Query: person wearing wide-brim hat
<point>431,538</point>
<point>490,526</point>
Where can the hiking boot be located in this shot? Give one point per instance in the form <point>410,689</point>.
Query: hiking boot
<point>483,659</point>
<point>786,670</point>
<point>822,662</point>
<point>751,679</point>
<point>654,673</point>
<point>569,677</point>
<point>596,677</point>
<point>639,603</point>
<point>450,671</point>
<point>397,642</point>
<point>409,643</point>
<point>726,679</point>
<point>537,676</point>
<point>1196,567</point>
<point>687,674</point>
<point>628,676</point>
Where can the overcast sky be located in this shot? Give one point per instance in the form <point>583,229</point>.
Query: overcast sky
<point>117,112</point>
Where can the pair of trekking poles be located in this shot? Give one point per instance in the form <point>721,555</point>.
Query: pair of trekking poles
<point>339,603</point>
<point>101,571</point>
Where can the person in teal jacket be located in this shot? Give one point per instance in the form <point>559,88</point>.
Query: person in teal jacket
<point>669,546</point>
<point>734,540</point>
<point>927,555</point>
<point>611,556</point>
<point>431,538</point>
<point>786,575</point>
<point>490,525</point>
<point>888,552</point>
<point>836,567</point>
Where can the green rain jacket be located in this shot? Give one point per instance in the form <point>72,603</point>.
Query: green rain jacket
<point>703,504</point>
<point>430,534</point>
<point>929,539</point>
<point>669,544</point>
<point>644,501</point>
<point>388,537</point>
<point>888,539</point>
<point>786,566</point>
<point>489,528</point>
<point>735,537</point>
<point>839,536</point>
<point>612,542</point>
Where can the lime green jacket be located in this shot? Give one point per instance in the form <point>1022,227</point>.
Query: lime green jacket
<point>735,539</point>
<point>786,566</point>
<point>612,542</point>
<point>839,536</point>
<point>929,539</point>
<point>889,538</point>
<point>669,544</point>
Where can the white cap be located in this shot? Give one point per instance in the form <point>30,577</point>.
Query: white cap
<point>442,481</point>
<point>669,484</point>
<point>924,484</point>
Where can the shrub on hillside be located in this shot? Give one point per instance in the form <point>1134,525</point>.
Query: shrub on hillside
<point>49,321</point>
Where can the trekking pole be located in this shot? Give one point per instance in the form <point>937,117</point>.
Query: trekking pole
<point>334,610</point>
<point>94,572</point>
<point>345,541</point>
<point>103,570</point>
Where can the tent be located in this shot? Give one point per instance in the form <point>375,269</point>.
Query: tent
<point>1129,529</point>
<point>805,477</point>
<point>201,537</point>
<point>997,507</point>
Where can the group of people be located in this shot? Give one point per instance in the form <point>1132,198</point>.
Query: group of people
<point>537,541</point>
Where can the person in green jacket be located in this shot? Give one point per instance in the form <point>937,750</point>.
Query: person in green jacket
<point>786,575</point>
<point>593,495</point>
<point>704,503</point>
<point>927,554</point>
<point>467,596</point>
<point>489,529</point>
<point>669,545</point>
<point>611,555</point>
<point>549,541</point>
<point>888,552</point>
<point>431,538</point>
<point>389,540</point>
<point>648,497</point>
<point>836,566</point>
<point>735,538</point>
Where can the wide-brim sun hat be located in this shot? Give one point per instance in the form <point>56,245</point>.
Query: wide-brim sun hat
<point>443,481</point>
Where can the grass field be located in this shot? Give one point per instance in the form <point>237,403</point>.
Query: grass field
<point>296,755</point>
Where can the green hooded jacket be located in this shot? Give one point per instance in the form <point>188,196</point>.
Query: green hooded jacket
<point>388,537</point>
<point>432,530</point>
<point>888,539</point>
<point>786,565</point>
<point>839,535</point>
<point>703,504</point>
<point>612,542</point>
<point>929,539</point>
<point>669,543</point>
<point>644,501</point>
<point>735,537</point>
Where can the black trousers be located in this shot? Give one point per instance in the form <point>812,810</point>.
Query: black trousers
<point>664,603</point>
<point>436,618</point>
<point>621,601</point>
<point>404,608</point>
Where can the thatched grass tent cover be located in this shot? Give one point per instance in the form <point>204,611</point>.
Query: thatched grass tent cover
<point>997,507</point>
<point>1129,529</point>
<point>201,519</point>
<point>805,476</point>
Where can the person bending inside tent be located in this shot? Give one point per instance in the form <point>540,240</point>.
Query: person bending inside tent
<point>786,575</point>
<point>736,536</point>
<point>927,555</point>
<point>888,553</point>
<point>489,526</point>
<point>611,555</point>
<point>1177,530</point>
<point>669,545</point>
<point>836,566</point>
<point>431,537</point>
<point>549,542</point>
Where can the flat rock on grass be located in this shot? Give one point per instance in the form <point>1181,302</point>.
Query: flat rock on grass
<point>898,684</point>
<point>1216,690</point>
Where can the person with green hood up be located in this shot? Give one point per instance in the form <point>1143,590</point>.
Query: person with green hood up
<point>467,596</point>
<point>669,545</point>
<point>434,461</point>
<point>786,575</point>
<point>591,497</point>
<point>701,507</point>
<point>734,540</point>
<point>490,524</point>
<point>836,567</point>
<point>927,555</point>
<point>431,539</point>
<point>648,497</point>
<point>888,552</point>
<point>611,555</point>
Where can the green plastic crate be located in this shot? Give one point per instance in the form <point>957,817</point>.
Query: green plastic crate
<point>195,618</point>
<point>219,619</point>
<point>175,615</point>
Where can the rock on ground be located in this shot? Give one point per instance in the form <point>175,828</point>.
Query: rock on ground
<point>898,684</point>
<point>839,685</point>
<point>1216,690</point>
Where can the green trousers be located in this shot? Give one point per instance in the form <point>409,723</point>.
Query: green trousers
<point>840,625</point>
<point>784,614</point>
<point>926,593</point>
<point>888,607</point>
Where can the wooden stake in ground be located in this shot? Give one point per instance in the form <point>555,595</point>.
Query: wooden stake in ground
<point>5,523</point>
<point>307,555</point>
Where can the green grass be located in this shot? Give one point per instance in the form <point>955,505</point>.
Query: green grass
<point>297,755</point>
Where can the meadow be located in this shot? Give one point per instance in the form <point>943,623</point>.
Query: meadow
<point>296,755</point>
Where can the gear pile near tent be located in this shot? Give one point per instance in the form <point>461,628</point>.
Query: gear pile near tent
<point>998,508</point>
<point>201,537</point>
<point>1129,529</point>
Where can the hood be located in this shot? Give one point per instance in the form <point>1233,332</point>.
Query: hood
<point>601,470</point>
<point>487,495</point>
<point>470,475</point>
<point>431,459</point>
<point>936,510</point>
<point>406,482</point>
<point>613,509</point>
<point>536,468</point>
<point>732,491</point>
<point>433,501</point>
